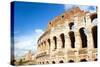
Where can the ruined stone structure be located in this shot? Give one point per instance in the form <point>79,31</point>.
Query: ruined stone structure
<point>70,37</point>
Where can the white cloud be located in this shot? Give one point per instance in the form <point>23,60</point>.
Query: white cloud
<point>39,31</point>
<point>88,8</point>
<point>27,42</point>
<point>82,7</point>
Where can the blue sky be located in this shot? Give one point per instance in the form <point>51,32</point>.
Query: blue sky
<point>31,20</point>
<point>30,16</point>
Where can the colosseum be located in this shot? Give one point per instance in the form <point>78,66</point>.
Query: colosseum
<point>69,37</point>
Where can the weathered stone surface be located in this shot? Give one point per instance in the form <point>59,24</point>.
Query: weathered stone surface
<point>61,48</point>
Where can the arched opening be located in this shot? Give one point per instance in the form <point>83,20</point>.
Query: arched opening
<point>55,41</point>
<point>83,60</point>
<point>83,38</point>
<point>63,40</point>
<point>49,42</point>
<point>93,16</point>
<point>94,34</point>
<point>62,16</point>
<point>47,62</point>
<point>95,59</point>
<point>53,62</point>
<point>71,61</point>
<point>61,61</point>
<point>41,45</point>
<point>72,39</point>
<point>70,25</point>
<point>44,43</point>
<point>43,62</point>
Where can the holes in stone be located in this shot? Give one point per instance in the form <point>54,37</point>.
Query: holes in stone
<point>53,62</point>
<point>72,38</point>
<point>70,25</point>
<point>61,61</point>
<point>94,34</point>
<point>63,40</point>
<point>83,38</point>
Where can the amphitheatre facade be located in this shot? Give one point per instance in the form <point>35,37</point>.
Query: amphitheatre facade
<point>69,37</point>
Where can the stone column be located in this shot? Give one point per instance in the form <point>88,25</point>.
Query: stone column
<point>67,46</point>
<point>90,43</point>
<point>52,45</point>
<point>89,36</point>
<point>59,43</point>
<point>78,44</point>
<point>90,39</point>
<point>67,42</point>
<point>42,47</point>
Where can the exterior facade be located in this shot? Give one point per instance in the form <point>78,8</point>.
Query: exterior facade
<point>70,37</point>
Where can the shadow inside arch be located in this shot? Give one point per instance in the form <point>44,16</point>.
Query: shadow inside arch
<point>61,61</point>
<point>71,61</point>
<point>96,59</point>
<point>83,60</point>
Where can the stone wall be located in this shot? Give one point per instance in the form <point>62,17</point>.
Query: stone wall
<point>70,37</point>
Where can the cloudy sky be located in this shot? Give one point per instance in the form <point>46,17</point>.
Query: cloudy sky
<point>31,20</point>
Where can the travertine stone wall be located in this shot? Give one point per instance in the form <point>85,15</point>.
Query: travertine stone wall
<point>54,49</point>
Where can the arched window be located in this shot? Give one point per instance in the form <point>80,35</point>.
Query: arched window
<point>49,42</point>
<point>72,38</point>
<point>94,34</point>
<point>62,16</point>
<point>61,61</point>
<point>45,43</point>
<point>93,16</point>
<point>95,59</point>
<point>41,45</point>
<point>43,62</point>
<point>63,40</point>
<point>55,41</point>
<point>83,60</point>
<point>53,62</point>
<point>71,61</point>
<point>47,62</point>
<point>83,38</point>
<point>70,25</point>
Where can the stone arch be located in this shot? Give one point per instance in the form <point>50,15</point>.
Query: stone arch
<point>42,62</point>
<point>72,38</point>
<point>45,43</point>
<point>62,36</point>
<point>70,25</point>
<point>62,16</point>
<point>53,62</point>
<point>95,59</point>
<point>42,45</point>
<point>93,16</point>
<point>47,62</point>
<point>71,61</point>
<point>49,42</point>
<point>94,34</point>
<point>83,60</point>
<point>83,37</point>
<point>61,61</point>
<point>55,41</point>
<point>38,45</point>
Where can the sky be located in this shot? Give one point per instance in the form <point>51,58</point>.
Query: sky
<point>31,20</point>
